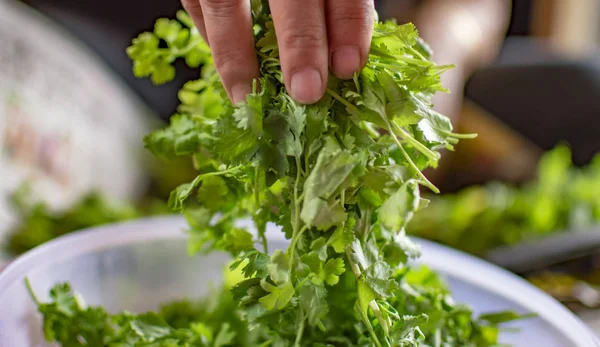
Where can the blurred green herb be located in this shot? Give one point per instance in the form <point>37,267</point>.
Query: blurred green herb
<point>340,177</point>
<point>39,224</point>
<point>479,218</point>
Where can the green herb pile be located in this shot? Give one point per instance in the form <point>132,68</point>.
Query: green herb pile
<point>340,177</point>
<point>39,224</point>
<point>479,218</point>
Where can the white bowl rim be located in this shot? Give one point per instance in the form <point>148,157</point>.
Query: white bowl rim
<point>472,270</point>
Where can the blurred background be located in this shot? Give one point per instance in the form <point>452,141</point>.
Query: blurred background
<point>525,194</point>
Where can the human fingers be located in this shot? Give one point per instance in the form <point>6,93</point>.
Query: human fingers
<point>302,38</point>
<point>228,26</point>
<point>349,29</point>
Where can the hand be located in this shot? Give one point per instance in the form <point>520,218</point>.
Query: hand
<point>313,36</point>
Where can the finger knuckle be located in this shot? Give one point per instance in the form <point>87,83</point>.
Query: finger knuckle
<point>220,8</point>
<point>191,5</point>
<point>303,38</point>
<point>355,16</point>
<point>228,63</point>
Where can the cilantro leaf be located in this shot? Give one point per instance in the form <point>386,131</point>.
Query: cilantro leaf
<point>236,240</point>
<point>279,267</point>
<point>278,297</point>
<point>332,270</point>
<point>312,300</point>
<point>397,210</point>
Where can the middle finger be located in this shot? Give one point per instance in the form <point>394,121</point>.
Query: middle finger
<point>302,38</point>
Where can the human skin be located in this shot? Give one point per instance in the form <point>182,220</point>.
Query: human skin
<point>317,36</point>
<point>314,36</point>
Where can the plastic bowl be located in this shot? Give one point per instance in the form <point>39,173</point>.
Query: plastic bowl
<point>140,264</point>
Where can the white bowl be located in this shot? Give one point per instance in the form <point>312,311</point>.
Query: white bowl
<point>138,265</point>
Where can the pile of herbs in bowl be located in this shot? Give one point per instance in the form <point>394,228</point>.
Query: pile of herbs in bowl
<point>340,178</point>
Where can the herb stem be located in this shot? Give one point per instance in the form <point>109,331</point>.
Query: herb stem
<point>369,326</point>
<point>382,321</point>
<point>265,244</point>
<point>256,191</point>
<point>353,266</point>
<point>458,136</point>
<point>355,110</point>
<point>267,343</point>
<point>353,115</point>
<point>293,243</point>
<point>300,333</point>
<point>416,144</point>
<point>31,292</point>
<point>385,65</point>
<point>220,173</point>
<point>262,235</point>
<point>367,220</point>
<point>296,199</point>
<point>302,283</point>
<point>412,164</point>
<point>415,52</point>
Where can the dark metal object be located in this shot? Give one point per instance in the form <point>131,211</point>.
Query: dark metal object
<point>553,250</point>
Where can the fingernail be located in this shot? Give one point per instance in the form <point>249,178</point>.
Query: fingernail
<point>239,92</point>
<point>345,61</point>
<point>306,86</point>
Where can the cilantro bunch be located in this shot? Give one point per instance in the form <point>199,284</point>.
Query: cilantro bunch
<point>479,218</point>
<point>340,178</point>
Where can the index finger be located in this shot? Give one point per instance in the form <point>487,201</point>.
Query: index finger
<point>228,26</point>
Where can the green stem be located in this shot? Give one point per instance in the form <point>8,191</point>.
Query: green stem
<point>387,66</point>
<point>458,136</point>
<point>382,321</point>
<point>416,144</point>
<point>31,292</point>
<point>363,125</point>
<point>367,223</point>
<point>321,326</point>
<point>404,59</point>
<point>302,283</point>
<point>367,322</point>
<point>353,266</point>
<point>292,248</point>
<point>264,242</point>
<point>296,199</point>
<point>183,51</point>
<point>294,241</point>
<point>357,275</point>
<point>412,164</point>
<point>267,343</point>
<point>219,173</point>
<point>262,235</point>
<point>419,173</point>
<point>305,161</point>
<point>415,52</point>
<point>342,100</point>
<point>300,332</point>
<point>346,103</point>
